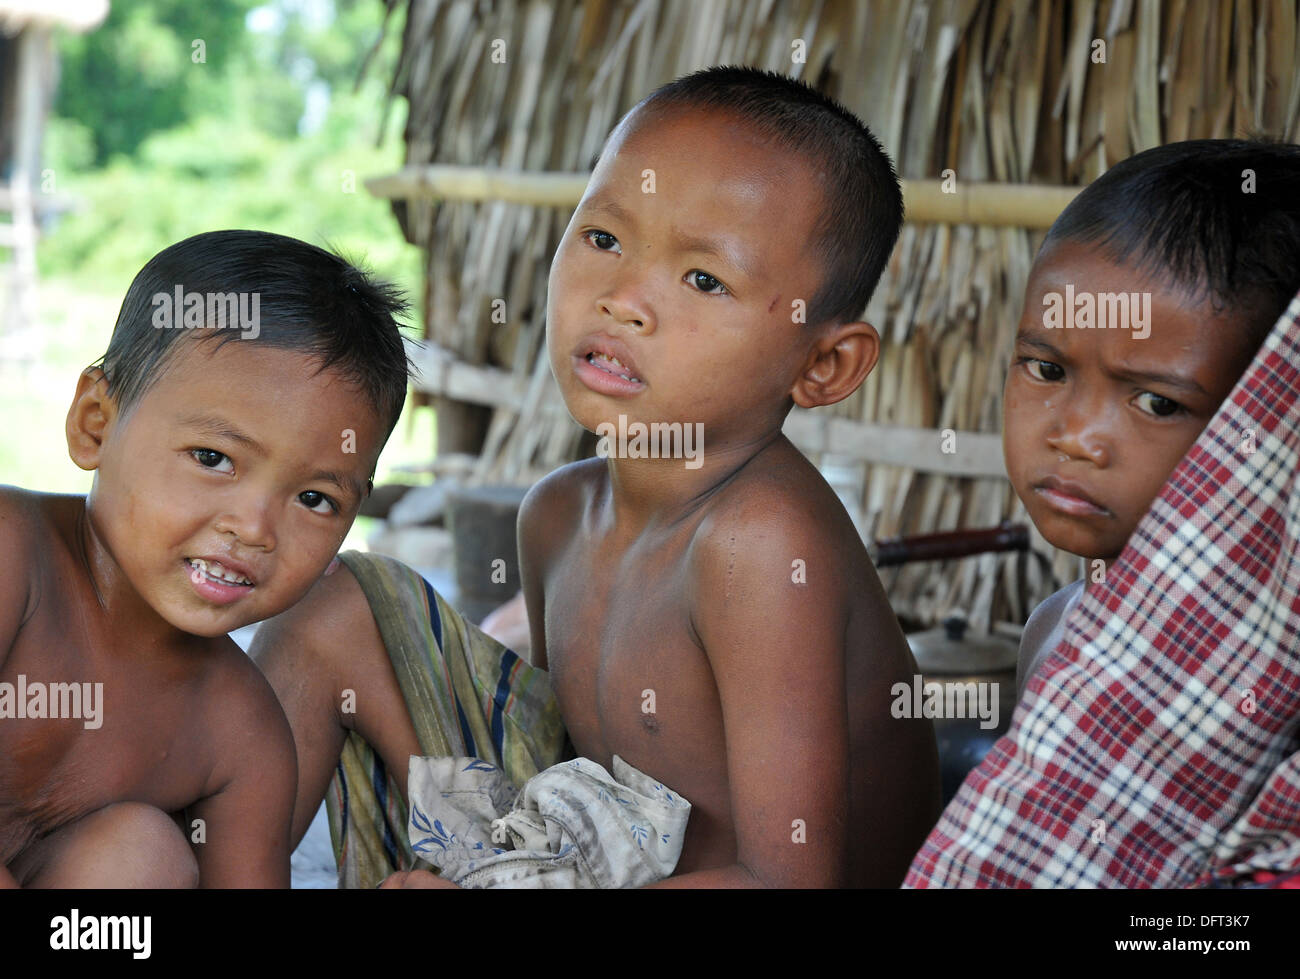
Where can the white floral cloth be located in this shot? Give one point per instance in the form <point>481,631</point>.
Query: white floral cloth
<point>572,825</point>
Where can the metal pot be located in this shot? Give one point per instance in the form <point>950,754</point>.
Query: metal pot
<point>976,687</point>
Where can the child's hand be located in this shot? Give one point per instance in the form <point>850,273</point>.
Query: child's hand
<point>417,878</point>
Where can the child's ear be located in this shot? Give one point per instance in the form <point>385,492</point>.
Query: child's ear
<point>839,362</point>
<point>89,417</point>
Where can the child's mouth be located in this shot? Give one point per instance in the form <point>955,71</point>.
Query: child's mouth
<point>215,582</point>
<point>611,365</point>
<point>1066,499</point>
<point>606,374</point>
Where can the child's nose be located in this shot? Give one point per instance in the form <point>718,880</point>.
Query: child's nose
<point>1079,433</point>
<point>250,521</point>
<point>627,304</point>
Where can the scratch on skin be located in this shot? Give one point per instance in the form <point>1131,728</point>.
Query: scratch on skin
<point>731,562</point>
<point>772,305</point>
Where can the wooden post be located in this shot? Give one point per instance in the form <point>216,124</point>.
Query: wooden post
<point>33,50</point>
<point>482,523</point>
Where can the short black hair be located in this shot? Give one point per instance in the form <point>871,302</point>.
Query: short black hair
<point>1190,212</point>
<point>309,300</point>
<point>862,211</point>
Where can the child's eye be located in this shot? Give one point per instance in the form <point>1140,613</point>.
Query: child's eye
<point>1043,370</point>
<point>1157,405</point>
<point>212,459</point>
<point>313,500</point>
<point>706,283</point>
<point>602,240</point>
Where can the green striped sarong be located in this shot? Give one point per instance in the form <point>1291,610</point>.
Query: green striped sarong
<point>467,696</point>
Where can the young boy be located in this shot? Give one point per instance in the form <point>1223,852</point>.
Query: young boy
<point>233,427</point>
<point>1156,745</point>
<point>711,619</point>
<point>1150,295</point>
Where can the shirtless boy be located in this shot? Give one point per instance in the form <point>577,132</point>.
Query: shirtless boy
<point>223,487</point>
<point>712,275</point>
<point>1096,419</point>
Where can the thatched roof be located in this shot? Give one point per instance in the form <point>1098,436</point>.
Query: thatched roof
<point>1000,90</point>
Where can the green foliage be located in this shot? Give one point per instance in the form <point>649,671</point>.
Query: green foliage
<point>136,74</point>
<point>69,145</point>
<point>233,157</point>
<point>205,176</point>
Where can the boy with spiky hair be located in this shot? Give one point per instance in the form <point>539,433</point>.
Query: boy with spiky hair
<point>1154,745</point>
<point>1097,414</point>
<point>718,627</point>
<point>233,427</point>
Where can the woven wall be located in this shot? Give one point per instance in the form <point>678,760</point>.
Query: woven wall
<point>1002,90</point>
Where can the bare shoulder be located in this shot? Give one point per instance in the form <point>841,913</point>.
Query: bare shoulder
<point>556,500</point>
<point>22,521</point>
<point>1042,622</point>
<point>782,524</point>
<point>779,539</point>
<point>29,538</point>
<point>1051,608</point>
<point>237,697</point>
<point>776,575</point>
<point>243,732</point>
<point>26,522</point>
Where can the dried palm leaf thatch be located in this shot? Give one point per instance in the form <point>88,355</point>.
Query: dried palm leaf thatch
<point>1003,91</point>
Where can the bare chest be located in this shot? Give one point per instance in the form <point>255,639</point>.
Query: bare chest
<point>74,739</point>
<point>629,674</point>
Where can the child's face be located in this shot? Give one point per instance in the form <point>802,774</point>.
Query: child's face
<point>1095,420</point>
<point>240,455</point>
<point>683,261</point>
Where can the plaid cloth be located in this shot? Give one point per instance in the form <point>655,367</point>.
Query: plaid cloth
<point>1157,746</point>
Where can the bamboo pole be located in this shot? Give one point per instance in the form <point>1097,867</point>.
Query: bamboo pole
<point>456,183</point>
<point>976,454</point>
<point>991,204</point>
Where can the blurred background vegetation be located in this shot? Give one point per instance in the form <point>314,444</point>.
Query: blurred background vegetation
<point>176,117</point>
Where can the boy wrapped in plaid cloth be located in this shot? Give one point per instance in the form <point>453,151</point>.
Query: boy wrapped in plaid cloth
<point>1157,742</point>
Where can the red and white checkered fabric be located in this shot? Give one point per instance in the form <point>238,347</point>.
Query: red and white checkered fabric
<point>1157,746</point>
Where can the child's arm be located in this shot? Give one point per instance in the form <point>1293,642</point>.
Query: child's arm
<point>777,651</point>
<point>545,520</point>
<point>531,513</point>
<point>15,595</point>
<point>246,820</point>
<point>16,584</point>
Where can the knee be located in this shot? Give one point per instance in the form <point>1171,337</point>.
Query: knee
<point>127,844</point>
<point>154,850</point>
